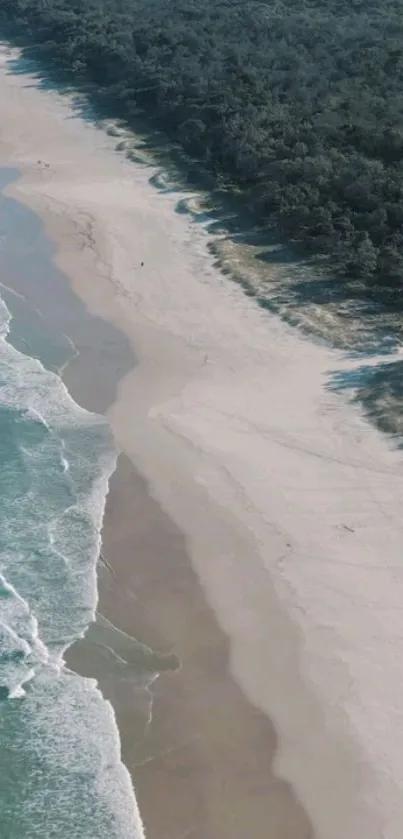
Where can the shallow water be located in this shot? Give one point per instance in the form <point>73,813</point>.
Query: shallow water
<point>60,773</point>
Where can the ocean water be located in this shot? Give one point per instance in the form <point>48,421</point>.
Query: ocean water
<point>61,776</point>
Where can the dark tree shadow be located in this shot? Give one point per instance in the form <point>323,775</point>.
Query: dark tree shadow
<point>378,389</point>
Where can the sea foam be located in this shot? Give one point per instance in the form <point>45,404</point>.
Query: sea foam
<point>60,743</point>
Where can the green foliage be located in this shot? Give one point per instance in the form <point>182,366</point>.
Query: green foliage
<point>297,102</point>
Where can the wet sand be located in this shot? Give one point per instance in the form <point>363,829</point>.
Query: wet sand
<point>200,755</point>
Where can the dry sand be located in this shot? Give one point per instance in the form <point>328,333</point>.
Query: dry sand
<point>289,502</point>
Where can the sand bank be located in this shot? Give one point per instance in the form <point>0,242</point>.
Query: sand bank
<point>290,503</point>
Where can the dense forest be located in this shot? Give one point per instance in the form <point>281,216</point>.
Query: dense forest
<point>297,103</point>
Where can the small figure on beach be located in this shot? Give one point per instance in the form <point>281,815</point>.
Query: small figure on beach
<point>141,264</point>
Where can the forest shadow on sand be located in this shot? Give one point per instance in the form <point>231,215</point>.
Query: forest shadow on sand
<point>378,389</point>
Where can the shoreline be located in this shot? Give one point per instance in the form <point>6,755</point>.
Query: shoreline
<point>226,763</point>
<point>211,774</point>
<point>215,398</point>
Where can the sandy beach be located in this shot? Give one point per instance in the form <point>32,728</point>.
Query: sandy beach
<point>253,527</point>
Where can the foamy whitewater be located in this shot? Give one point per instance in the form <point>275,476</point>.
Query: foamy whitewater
<point>60,770</point>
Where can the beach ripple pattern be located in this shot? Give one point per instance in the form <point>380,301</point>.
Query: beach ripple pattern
<point>60,769</point>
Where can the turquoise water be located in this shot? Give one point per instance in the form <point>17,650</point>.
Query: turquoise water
<point>60,771</point>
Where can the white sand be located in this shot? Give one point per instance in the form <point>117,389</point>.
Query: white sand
<point>291,502</point>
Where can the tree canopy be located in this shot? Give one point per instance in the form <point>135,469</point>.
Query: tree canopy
<point>299,103</point>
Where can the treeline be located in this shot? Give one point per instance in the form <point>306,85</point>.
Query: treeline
<point>299,103</point>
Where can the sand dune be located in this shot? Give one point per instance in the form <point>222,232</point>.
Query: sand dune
<point>290,501</point>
